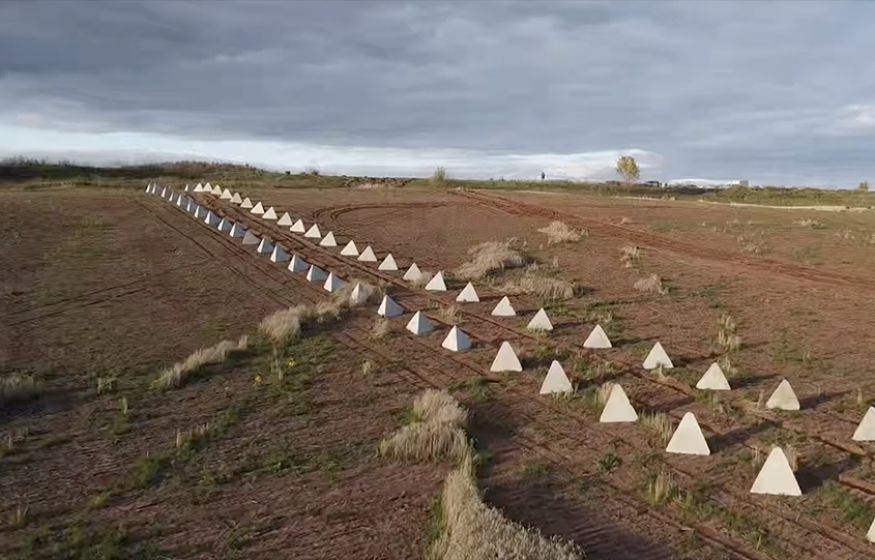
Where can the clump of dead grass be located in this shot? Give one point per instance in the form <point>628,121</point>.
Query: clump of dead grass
<point>541,286</point>
<point>488,258</point>
<point>450,314</point>
<point>629,255</point>
<point>380,328</point>
<point>177,375</point>
<point>17,387</point>
<point>660,423</point>
<point>809,222</point>
<point>560,232</point>
<point>727,338</point>
<point>286,324</point>
<point>651,285</point>
<point>436,434</point>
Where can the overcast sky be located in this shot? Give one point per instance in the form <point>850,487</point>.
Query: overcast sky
<point>773,92</point>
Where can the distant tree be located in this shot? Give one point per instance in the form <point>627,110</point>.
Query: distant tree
<point>543,175</point>
<point>627,168</point>
<point>439,177</point>
<point>863,186</point>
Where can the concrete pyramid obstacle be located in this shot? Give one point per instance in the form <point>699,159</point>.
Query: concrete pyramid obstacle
<point>657,357</point>
<point>506,359</point>
<point>148,189</point>
<point>776,477</point>
<point>316,274</point>
<point>556,380</point>
<point>269,214</point>
<point>368,255</point>
<point>250,238</point>
<point>388,263</point>
<point>784,398</point>
<point>298,227</point>
<point>172,198</point>
<point>870,536</point>
<point>468,294</point>
<point>617,407</point>
<point>237,230</point>
<point>236,199</point>
<point>225,225</point>
<point>211,219</point>
<point>208,188</point>
<point>413,274</point>
<point>388,308</point>
<point>182,201</point>
<point>279,255</point>
<point>186,188</point>
<point>217,190</point>
<point>504,308</point>
<point>332,283</point>
<point>297,264</point>
<point>258,209</point>
<point>456,340</point>
<point>163,192</point>
<point>226,195</point>
<point>198,188</point>
<point>199,212</point>
<point>328,240</point>
<point>349,250</point>
<point>597,339</point>
<point>540,322</point>
<point>419,324</point>
<point>246,203</point>
<point>285,220</point>
<point>265,247</point>
<point>189,206</point>
<point>358,295</point>
<point>866,429</point>
<point>437,284</point>
<point>688,438</point>
<point>713,380</point>
<point>313,232</point>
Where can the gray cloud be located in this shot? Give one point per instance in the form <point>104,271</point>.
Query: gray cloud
<point>775,90</point>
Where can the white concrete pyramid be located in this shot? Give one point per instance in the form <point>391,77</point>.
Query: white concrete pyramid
<point>189,205</point>
<point>265,247</point>
<point>148,189</point>
<point>211,219</point>
<point>313,232</point>
<point>269,214</point>
<point>250,238</point>
<point>217,190</point>
<point>181,201</point>
<point>328,240</point>
<point>226,195</point>
<point>540,322</point>
<point>237,230</point>
<point>866,429</point>
<point>186,188</point>
<point>172,198</point>
<point>358,295</point>
<point>776,477</point>
<point>688,438</point>
<point>298,227</point>
<point>199,212</point>
<point>506,359</point>
<point>163,192</point>
<point>225,225</point>
<point>297,264</point>
<point>419,324</point>
<point>388,263</point>
<point>236,199</point>
<point>279,255</point>
<point>316,274</point>
<point>332,283</point>
<point>437,283</point>
<point>503,308</point>
<point>456,340</point>
<point>208,187</point>
<point>597,339</point>
<point>388,308</point>
<point>713,379</point>
<point>285,220</point>
<point>258,209</point>
<point>368,255</point>
<point>350,250</point>
<point>657,357</point>
<point>618,408</point>
<point>413,273</point>
<point>468,294</point>
<point>870,536</point>
<point>198,188</point>
<point>152,188</point>
<point>784,398</point>
<point>556,380</point>
<point>246,203</point>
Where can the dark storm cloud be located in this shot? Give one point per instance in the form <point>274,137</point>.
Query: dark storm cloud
<point>734,89</point>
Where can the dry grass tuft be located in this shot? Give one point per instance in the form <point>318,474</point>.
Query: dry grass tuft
<point>660,488</point>
<point>17,387</point>
<point>728,340</point>
<point>380,328</point>
<point>286,324</point>
<point>660,423</point>
<point>629,255</point>
<point>602,394</point>
<point>450,314</point>
<point>651,285</point>
<point>437,434</point>
<point>439,406</point>
<point>792,457</point>
<point>424,278</point>
<point>541,286</point>
<point>489,257</point>
<point>342,297</point>
<point>560,232</point>
<point>809,222</point>
<point>177,375</point>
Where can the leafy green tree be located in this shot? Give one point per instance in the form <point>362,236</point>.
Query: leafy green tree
<point>627,168</point>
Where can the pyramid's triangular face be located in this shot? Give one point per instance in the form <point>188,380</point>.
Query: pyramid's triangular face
<point>388,263</point>
<point>506,359</point>
<point>413,273</point>
<point>208,187</point>
<point>236,199</point>
<point>279,255</point>
<point>298,227</point>
<point>349,250</point>
<point>504,308</point>
<point>866,429</point>
<point>540,322</point>
<point>556,380</point>
<point>419,324</point>
<point>456,340</point>
<point>226,195</point>
<point>357,296</point>
<point>189,206</point>
<point>211,219</point>
<point>225,225</point>
<point>618,408</point>
<point>388,308</point>
<point>688,438</point>
<point>269,214</point>
<point>285,220</point>
<point>172,198</point>
<point>163,192</point>
<point>368,255</point>
<point>258,209</point>
<point>437,283</point>
<point>313,232</point>
<point>657,357</point>
<point>597,339</point>
<point>186,189</point>
<point>297,264</point>
<point>199,212</point>
<point>776,476</point>
<point>713,380</point>
<point>784,397</point>
<point>870,536</point>
<point>246,203</point>
<point>217,190</point>
<point>332,283</point>
<point>237,231</point>
<point>316,274</point>
<point>328,240</point>
<point>251,239</point>
<point>468,294</point>
<point>198,188</point>
<point>265,247</point>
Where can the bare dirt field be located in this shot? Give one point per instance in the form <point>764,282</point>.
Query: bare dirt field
<point>116,284</point>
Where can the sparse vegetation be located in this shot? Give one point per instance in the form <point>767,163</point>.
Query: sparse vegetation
<point>660,423</point>
<point>727,338</point>
<point>17,387</point>
<point>436,434</point>
<point>629,255</point>
<point>489,257</point>
<point>608,463</point>
<point>177,375</point>
<point>450,314</point>
<point>660,487</point>
<point>809,223</point>
<point>627,169</point>
<point>538,285</point>
<point>380,328</point>
<point>438,177</point>
<point>651,285</point>
<point>560,232</point>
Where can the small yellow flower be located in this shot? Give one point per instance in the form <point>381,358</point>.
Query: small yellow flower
<point>291,363</point>
<point>258,379</point>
